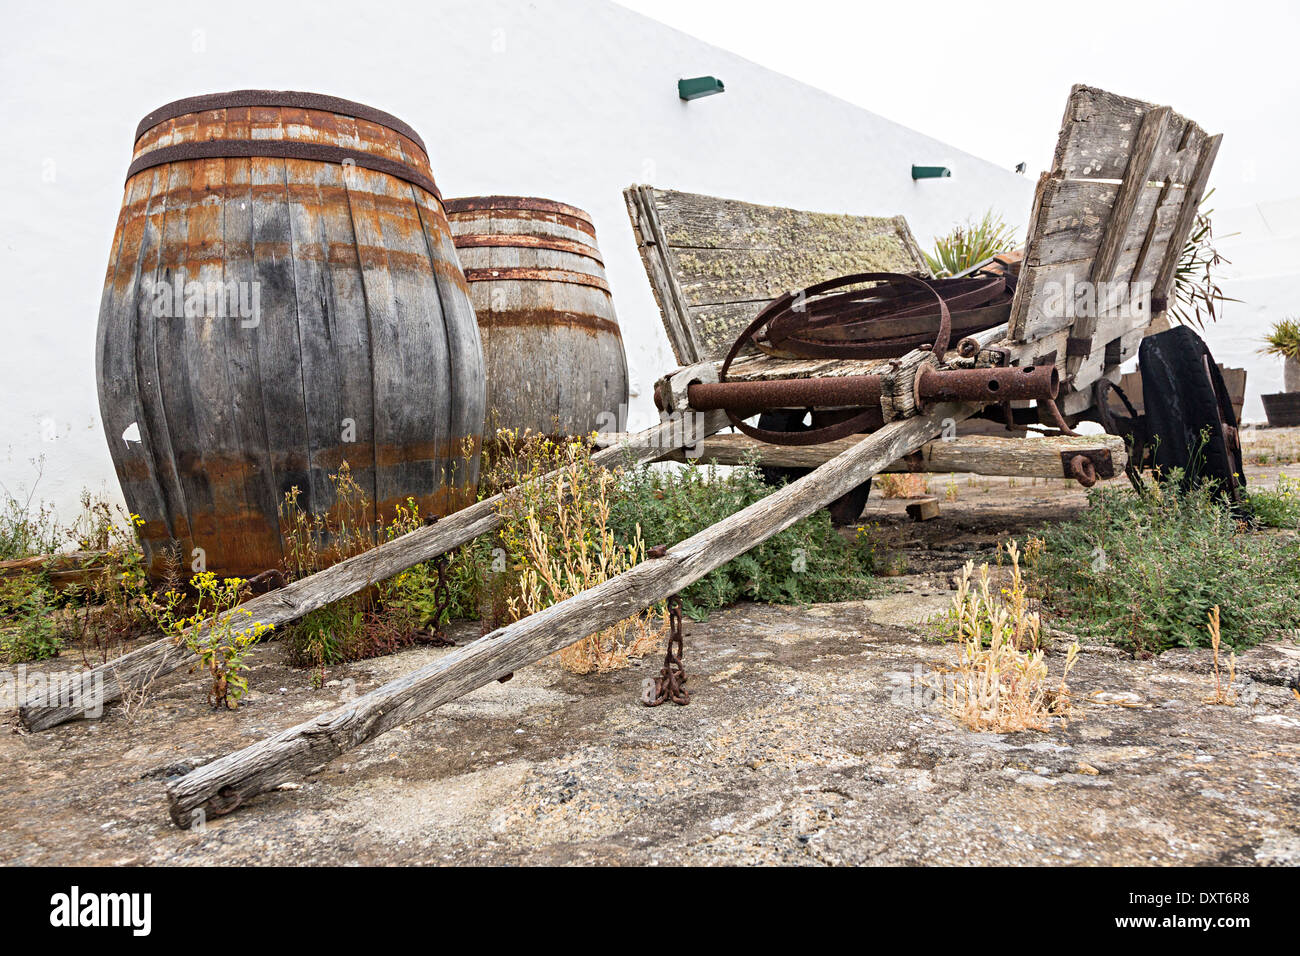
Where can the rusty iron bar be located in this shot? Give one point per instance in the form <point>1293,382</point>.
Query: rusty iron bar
<point>787,393</point>
<point>1016,383</point>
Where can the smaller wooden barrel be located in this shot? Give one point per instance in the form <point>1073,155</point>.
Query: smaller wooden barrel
<point>551,343</point>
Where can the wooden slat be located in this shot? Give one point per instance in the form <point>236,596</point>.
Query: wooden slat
<point>1105,358</point>
<point>714,263</point>
<point>653,247</point>
<point>755,277</point>
<point>1131,189</point>
<point>1113,153</point>
<point>1098,133</point>
<point>1186,216</point>
<point>695,221</point>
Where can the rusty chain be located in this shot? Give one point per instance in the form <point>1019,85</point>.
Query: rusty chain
<point>441,601</point>
<point>671,682</point>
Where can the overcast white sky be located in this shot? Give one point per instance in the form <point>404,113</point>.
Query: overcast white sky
<point>992,78</point>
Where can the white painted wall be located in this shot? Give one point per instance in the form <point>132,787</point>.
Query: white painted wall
<point>567,99</point>
<point>1262,242</point>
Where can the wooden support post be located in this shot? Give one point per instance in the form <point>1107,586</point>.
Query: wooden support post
<point>231,781</point>
<point>103,684</point>
<point>923,510</point>
<point>976,454</point>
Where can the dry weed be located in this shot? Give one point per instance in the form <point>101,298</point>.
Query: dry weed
<point>567,547</point>
<point>1226,698</point>
<point>903,485</point>
<point>1001,682</point>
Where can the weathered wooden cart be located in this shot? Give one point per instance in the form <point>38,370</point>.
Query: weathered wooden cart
<point>1107,229</point>
<point>1117,206</point>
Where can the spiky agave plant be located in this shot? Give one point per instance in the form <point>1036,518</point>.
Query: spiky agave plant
<point>970,244</point>
<point>1196,292</point>
<point>1283,339</point>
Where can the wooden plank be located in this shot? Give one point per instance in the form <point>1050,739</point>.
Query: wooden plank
<point>965,454</point>
<point>343,305</point>
<point>322,374</point>
<point>105,684</point>
<point>1186,217</point>
<point>278,392</point>
<point>755,277</point>
<point>1111,150</point>
<point>468,381</point>
<point>714,263</point>
<point>663,281</point>
<point>1073,215</point>
<point>1134,185</point>
<point>1105,357</point>
<point>1053,303</point>
<point>232,780</point>
<point>1098,132</point>
<point>118,372</point>
<point>239,356</point>
<point>410,367</point>
<point>924,510</point>
<point>696,221</point>
<point>1154,224</point>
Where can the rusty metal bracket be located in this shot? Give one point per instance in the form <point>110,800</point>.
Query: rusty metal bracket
<point>1087,465</point>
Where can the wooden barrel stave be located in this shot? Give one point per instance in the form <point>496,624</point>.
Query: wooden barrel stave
<point>551,342</point>
<point>228,420</point>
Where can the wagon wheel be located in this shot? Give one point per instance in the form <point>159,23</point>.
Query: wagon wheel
<point>1189,422</point>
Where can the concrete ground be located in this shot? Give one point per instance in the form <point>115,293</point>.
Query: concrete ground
<point>808,741</point>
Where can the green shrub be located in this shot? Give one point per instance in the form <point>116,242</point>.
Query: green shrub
<point>1279,508</point>
<point>807,562</point>
<point>28,631</point>
<point>1144,569</point>
<point>468,579</point>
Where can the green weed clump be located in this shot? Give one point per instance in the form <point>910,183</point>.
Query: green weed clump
<point>1144,570</point>
<point>808,562</point>
<point>1280,507</point>
<point>28,630</point>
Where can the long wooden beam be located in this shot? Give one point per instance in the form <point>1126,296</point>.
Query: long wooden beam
<point>976,454</point>
<point>230,781</point>
<point>83,695</point>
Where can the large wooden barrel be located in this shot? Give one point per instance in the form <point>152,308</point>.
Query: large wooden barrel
<point>551,342</point>
<point>282,296</point>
